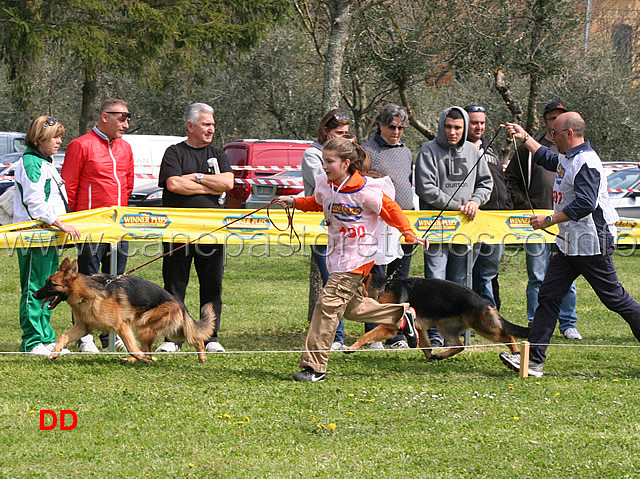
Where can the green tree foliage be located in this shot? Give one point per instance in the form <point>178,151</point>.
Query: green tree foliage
<point>140,37</point>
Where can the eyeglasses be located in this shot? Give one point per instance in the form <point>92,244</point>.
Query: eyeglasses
<point>554,132</point>
<point>124,115</point>
<point>341,116</point>
<point>49,122</point>
<point>396,127</point>
<point>475,109</point>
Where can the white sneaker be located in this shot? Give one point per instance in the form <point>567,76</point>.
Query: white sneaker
<point>377,345</point>
<point>337,346</point>
<point>168,347</point>
<point>214,347</point>
<point>45,349</point>
<point>402,344</point>
<point>119,345</point>
<point>572,333</point>
<point>88,345</point>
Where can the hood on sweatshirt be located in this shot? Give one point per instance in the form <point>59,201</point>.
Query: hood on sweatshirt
<point>441,137</point>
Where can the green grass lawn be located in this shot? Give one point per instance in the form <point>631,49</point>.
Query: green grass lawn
<point>378,414</point>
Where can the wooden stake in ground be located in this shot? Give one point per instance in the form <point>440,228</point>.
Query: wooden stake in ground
<point>524,359</point>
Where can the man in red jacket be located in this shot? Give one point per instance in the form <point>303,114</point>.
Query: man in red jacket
<point>98,172</point>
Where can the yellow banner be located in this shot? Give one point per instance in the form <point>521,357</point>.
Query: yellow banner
<point>180,225</point>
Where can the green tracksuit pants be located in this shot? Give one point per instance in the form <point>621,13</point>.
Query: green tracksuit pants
<point>36,265</point>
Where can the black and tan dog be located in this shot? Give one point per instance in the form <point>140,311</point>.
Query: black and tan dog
<point>119,304</point>
<point>446,305</point>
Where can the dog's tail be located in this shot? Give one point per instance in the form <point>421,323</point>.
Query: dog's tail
<point>514,330</point>
<point>195,331</point>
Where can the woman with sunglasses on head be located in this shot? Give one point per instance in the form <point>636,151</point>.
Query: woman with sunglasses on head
<point>334,124</point>
<point>39,196</point>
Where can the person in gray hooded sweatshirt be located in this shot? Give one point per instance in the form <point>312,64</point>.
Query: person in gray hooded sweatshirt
<point>441,166</point>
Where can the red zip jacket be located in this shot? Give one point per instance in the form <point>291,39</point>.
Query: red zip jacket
<point>97,173</point>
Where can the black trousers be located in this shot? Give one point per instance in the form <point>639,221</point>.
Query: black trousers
<point>600,273</point>
<point>209,263</point>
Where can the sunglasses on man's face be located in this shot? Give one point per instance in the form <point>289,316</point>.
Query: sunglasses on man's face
<point>49,122</point>
<point>396,127</point>
<point>476,109</point>
<point>124,115</point>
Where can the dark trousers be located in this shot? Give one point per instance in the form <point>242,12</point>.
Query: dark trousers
<point>209,263</point>
<point>403,266</point>
<point>600,273</point>
<point>96,257</point>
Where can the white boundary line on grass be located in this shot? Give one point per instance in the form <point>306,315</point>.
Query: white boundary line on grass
<point>298,351</point>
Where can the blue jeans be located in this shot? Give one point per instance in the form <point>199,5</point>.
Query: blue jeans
<point>485,269</point>
<point>319,254</point>
<point>446,261</point>
<point>537,263</point>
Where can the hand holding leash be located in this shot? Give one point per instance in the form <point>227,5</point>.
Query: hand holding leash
<point>285,201</point>
<point>515,131</point>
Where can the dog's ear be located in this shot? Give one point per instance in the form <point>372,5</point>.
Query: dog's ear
<point>65,265</point>
<point>367,289</point>
<point>74,268</point>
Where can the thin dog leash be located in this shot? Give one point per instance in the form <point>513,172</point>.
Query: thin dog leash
<point>484,151</point>
<point>288,211</point>
<point>526,189</point>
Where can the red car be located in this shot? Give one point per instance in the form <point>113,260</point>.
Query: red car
<point>260,158</point>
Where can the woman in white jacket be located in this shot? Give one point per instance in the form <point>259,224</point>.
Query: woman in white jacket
<point>39,196</point>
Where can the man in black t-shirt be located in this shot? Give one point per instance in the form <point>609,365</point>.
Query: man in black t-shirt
<point>195,174</point>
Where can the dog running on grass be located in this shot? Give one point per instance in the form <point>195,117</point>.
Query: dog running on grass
<point>450,307</point>
<point>119,304</point>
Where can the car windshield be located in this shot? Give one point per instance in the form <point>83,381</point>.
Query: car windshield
<point>624,179</point>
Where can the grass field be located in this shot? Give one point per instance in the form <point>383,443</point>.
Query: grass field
<point>378,414</point>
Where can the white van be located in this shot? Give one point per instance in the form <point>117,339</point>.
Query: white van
<point>148,151</point>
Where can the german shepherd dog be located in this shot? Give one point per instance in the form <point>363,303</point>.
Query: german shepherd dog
<point>446,305</point>
<point>118,304</point>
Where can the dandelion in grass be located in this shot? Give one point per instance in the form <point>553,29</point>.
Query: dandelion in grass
<point>191,464</point>
<point>227,416</point>
<point>516,418</point>
<point>351,395</point>
<point>31,412</point>
<point>332,426</point>
<point>538,383</point>
<point>246,418</point>
<point>558,394</point>
<point>615,381</point>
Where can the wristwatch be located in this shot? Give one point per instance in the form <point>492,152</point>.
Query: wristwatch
<point>548,220</point>
<point>199,177</point>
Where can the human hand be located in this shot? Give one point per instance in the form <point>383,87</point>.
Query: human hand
<point>470,209</point>
<point>285,201</point>
<point>514,130</point>
<point>538,222</point>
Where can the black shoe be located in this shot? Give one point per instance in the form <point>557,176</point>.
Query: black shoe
<point>409,328</point>
<point>308,375</point>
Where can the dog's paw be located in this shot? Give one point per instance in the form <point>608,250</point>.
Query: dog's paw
<point>436,357</point>
<point>53,356</point>
<point>349,350</point>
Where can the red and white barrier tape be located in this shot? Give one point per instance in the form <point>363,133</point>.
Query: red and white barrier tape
<point>269,181</point>
<point>265,168</point>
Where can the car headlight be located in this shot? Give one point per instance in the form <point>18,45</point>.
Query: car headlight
<point>155,196</point>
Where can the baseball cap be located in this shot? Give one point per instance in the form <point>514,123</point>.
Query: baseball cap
<point>554,105</point>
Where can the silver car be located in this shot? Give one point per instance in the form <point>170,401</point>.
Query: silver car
<point>624,192</point>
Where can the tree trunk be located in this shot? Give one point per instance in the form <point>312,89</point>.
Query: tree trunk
<point>340,18</point>
<point>89,98</point>
<point>315,287</point>
<point>413,121</point>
